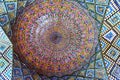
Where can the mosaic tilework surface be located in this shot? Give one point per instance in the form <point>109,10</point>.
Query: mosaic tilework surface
<point>110,39</point>
<point>9,9</point>
<point>6,57</point>
<point>7,14</point>
<point>66,37</point>
<point>105,64</point>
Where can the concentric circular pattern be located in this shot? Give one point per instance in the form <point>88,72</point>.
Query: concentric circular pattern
<point>56,38</point>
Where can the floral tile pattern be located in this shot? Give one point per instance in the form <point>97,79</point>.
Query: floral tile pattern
<point>103,65</point>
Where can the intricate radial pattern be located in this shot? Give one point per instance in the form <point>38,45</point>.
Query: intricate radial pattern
<point>103,65</point>
<point>57,39</point>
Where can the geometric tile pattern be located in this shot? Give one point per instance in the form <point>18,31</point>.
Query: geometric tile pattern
<point>116,71</point>
<point>109,36</point>
<point>96,8</point>
<point>103,65</point>
<point>113,53</point>
<point>110,33</point>
<point>6,57</point>
<point>8,12</point>
<point>21,72</point>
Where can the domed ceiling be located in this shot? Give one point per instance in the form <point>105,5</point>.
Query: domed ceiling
<point>59,40</point>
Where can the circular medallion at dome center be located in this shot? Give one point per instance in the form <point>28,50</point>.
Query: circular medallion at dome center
<point>55,37</point>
